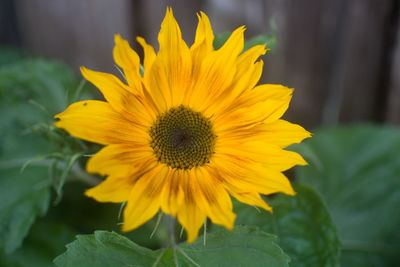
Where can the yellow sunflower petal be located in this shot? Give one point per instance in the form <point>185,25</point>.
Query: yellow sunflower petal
<point>270,155</point>
<point>144,199</point>
<point>96,121</point>
<point>283,133</point>
<point>203,42</point>
<point>202,46</point>
<point>119,97</point>
<point>149,54</point>
<point>172,197</point>
<point>213,199</point>
<point>254,108</point>
<point>250,198</point>
<point>261,94</point>
<point>113,189</point>
<point>190,216</point>
<point>119,158</point>
<point>129,61</point>
<point>217,71</point>
<point>170,74</point>
<point>250,177</point>
<point>248,70</point>
<point>244,81</point>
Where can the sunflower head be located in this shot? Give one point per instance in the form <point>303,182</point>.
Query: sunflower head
<point>190,133</point>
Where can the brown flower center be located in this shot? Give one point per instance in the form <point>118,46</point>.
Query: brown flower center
<point>182,138</point>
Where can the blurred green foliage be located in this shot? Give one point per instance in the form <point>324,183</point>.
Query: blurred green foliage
<point>356,170</point>
<point>302,223</point>
<point>24,88</point>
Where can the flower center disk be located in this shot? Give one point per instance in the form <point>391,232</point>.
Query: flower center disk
<point>182,138</point>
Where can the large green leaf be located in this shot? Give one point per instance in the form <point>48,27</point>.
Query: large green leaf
<point>45,241</point>
<point>304,228</point>
<point>105,249</point>
<point>245,246</point>
<point>242,247</point>
<point>26,195</point>
<point>356,170</point>
<point>22,200</point>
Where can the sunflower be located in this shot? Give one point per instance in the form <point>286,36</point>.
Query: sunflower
<point>188,133</point>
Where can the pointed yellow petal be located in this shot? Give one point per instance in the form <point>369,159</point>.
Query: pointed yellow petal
<point>243,81</point>
<point>129,61</point>
<point>114,189</point>
<point>144,199</point>
<point>270,155</point>
<point>203,42</point>
<point>96,121</point>
<point>202,46</point>
<point>217,71</point>
<point>247,176</point>
<point>250,198</point>
<point>119,159</point>
<point>119,97</point>
<point>283,133</point>
<point>213,198</point>
<point>190,216</point>
<point>149,54</point>
<point>172,196</point>
<point>254,107</point>
<point>170,75</point>
<point>260,95</point>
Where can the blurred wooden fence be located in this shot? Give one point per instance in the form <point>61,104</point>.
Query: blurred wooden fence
<point>341,56</point>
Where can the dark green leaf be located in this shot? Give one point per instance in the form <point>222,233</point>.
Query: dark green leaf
<point>268,40</point>
<point>44,242</point>
<point>105,249</point>
<point>31,91</point>
<point>22,200</point>
<point>220,39</point>
<point>356,170</point>
<point>303,226</point>
<point>242,247</point>
<point>245,246</point>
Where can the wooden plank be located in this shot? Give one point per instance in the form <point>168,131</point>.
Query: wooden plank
<point>80,32</point>
<point>362,59</point>
<point>393,108</point>
<point>301,55</point>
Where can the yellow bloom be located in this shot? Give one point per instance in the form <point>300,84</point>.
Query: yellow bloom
<point>190,133</point>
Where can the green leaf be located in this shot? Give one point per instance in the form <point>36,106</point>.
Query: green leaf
<point>45,241</point>
<point>103,249</point>
<point>22,200</point>
<point>26,195</point>
<point>220,39</point>
<point>304,228</point>
<point>357,173</point>
<point>265,39</point>
<point>245,246</point>
<point>242,247</point>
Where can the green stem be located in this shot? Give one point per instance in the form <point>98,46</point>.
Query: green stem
<point>171,223</point>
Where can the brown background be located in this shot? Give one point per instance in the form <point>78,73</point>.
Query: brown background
<point>341,56</point>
